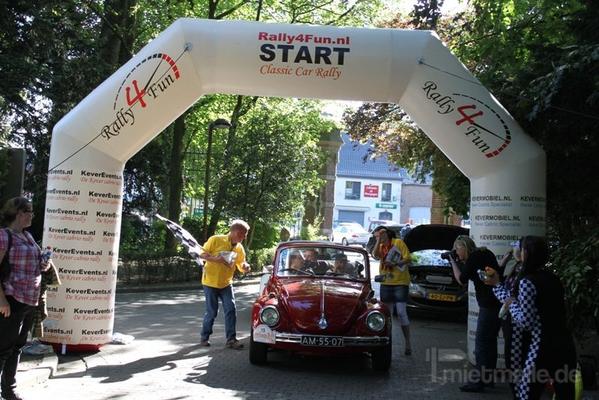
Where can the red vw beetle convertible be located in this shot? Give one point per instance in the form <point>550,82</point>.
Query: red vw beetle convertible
<point>318,300</point>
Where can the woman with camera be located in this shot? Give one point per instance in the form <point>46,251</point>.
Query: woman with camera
<point>538,312</point>
<point>474,260</point>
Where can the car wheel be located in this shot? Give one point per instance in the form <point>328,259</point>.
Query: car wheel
<point>344,242</point>
<point>381,358</point>
<point>257,351</point>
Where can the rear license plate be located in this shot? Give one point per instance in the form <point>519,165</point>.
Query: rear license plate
<point>322,341</point>
<point>441,297</point>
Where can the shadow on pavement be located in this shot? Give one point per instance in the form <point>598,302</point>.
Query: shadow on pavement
<point>123,372</point>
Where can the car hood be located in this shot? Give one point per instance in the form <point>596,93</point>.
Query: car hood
<point>433,236</point>
<point>306,299</point>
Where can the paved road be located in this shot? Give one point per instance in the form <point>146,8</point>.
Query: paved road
<point>165,362</point>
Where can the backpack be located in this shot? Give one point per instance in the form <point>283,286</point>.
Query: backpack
<point>5,264</point>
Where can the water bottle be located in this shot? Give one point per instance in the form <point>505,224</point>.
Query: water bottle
<point>46,254</point>
<point>505,308</point>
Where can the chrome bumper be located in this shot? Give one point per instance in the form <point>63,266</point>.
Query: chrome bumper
<point>348,341</point>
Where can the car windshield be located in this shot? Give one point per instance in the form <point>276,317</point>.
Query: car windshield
<point>322,262</point>
<point>429,258</point>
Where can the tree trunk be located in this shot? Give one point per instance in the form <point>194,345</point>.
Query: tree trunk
<point>118,32</point>
<point>175,179</point>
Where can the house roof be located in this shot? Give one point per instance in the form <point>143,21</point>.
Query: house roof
<point>354,161</point>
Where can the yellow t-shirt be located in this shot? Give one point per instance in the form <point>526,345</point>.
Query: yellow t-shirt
<point>398,277</point>
<point>219,275</point>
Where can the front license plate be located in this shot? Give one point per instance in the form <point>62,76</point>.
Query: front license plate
<point>322,341</point>
<point>441,297</point>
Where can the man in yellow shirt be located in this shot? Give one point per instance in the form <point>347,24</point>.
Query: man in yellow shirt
<point>217,280</point>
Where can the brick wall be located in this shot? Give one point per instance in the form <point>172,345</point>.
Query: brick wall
<point>437,215</point>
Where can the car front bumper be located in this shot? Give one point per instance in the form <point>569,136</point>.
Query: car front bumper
<point>348,341</point>
<point>435,299</point>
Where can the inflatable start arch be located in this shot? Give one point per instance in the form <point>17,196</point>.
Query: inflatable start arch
<point>91,144</point>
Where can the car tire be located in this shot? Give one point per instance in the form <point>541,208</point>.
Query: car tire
<point>381,358</point>
<point>258,351</point>
<point>344,242</point>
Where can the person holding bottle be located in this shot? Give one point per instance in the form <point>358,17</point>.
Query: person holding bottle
<point>542,345</point>
<point>19,290</point>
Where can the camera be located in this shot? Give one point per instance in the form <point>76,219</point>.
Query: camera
<point>482,275</point>
<point>452,253</point>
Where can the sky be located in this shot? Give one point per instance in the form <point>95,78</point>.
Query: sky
<point>449,6</point>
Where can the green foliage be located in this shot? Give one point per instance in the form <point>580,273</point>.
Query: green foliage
<point>194,226</point>
<point>310,232</point>
<point>264,235</point>
<point>137,237</point>
<point>273,164</point>
<point>4,171</point>
<point>158,267</point>
<point>576,264</point>
<point>260,257</point>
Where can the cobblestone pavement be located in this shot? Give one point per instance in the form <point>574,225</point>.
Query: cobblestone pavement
<point>166,362</point>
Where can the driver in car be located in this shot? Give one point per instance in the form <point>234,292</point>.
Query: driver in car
<point>313,264</point>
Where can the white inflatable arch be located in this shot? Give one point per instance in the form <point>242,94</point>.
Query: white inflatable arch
<point>192,58</point>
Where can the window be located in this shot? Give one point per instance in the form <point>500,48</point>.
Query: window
<point>386,196</point>
<point>385,216</point>
<point>352,190</point>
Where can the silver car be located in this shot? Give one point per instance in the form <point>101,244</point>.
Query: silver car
<point>348,233</point>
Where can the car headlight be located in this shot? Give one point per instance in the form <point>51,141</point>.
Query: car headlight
<point>269,316</point>
<point>375,321</point>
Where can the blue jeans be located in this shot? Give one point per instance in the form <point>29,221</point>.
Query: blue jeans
<point>485,345</point>
<point>228,299</point>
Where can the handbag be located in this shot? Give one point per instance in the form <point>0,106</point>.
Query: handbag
<point>5,264</point>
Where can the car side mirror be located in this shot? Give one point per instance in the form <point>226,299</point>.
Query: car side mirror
<point>267,269</point>
<point>379,278</point>
<point>359,267</point>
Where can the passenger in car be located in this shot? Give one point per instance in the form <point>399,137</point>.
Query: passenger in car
<point>296,261</point>
<point>343,266</point>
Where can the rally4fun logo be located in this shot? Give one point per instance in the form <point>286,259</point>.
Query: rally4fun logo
<point>151,77</point>
<point>486,129</point>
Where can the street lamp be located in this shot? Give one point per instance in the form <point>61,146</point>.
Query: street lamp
<point>218,124</point>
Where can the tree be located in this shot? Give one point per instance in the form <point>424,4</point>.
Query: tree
<point>55,53</point>
<point>45,45</point>
<point>277,161</point>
